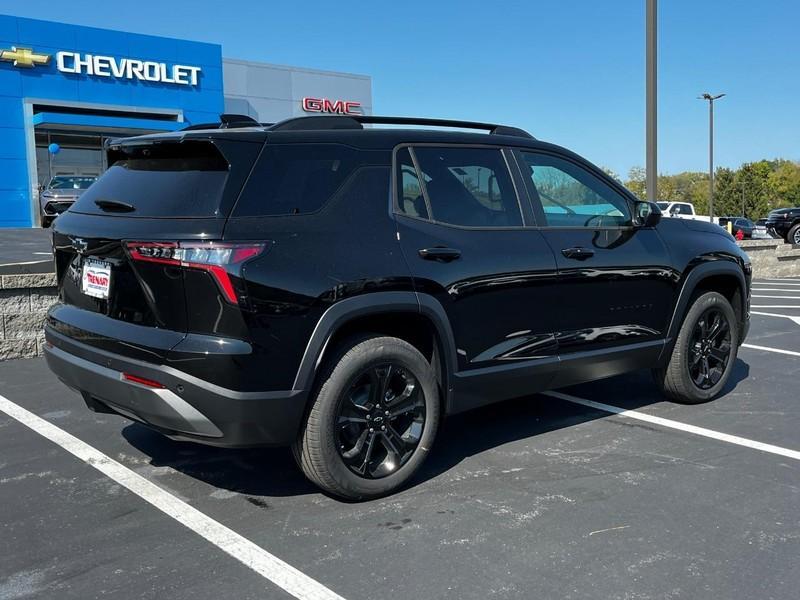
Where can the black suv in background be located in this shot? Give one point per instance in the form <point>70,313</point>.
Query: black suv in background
<point>341,289</point>
<point>785,223</point>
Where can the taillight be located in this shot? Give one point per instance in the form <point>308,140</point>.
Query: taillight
<point>217,258</point>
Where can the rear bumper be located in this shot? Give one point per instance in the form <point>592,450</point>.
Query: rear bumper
<point>186,408</point>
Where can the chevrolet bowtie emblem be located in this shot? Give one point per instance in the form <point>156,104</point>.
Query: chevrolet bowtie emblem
<point>24,57</point>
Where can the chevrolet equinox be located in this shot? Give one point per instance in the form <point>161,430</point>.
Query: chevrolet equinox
<point>341,289</point>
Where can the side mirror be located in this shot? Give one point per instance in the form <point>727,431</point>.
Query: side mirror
<point>647,214</point>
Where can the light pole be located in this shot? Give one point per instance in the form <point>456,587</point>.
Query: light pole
<point>651,100</point>
<point>710,98</point>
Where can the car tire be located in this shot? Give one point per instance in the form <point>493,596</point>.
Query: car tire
<point>793,236</point>
<point>363,381</point>
<point>696,371</point>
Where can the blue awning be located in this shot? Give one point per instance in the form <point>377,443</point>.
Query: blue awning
<point>106,122</point>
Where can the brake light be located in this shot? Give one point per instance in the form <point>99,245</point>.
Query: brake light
<point>219,259</point>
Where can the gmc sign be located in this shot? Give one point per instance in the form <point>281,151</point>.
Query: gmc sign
<point>323,105</point>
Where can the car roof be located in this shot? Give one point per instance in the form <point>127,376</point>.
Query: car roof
<point>370,138</point>
<point>358,130</point>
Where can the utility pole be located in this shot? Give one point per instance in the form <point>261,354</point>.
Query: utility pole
<point>651,101</point>
<point>710,98</point>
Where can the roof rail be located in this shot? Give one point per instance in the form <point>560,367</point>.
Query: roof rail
<point>227,121</point>
<point>357,122</point>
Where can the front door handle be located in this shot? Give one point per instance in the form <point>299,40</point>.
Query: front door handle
<point>440,254</point>
<point>577,253</point>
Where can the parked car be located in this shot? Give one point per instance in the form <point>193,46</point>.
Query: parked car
<point>760,230</point>
<point>61,193</point>
<point>341,289</point>
<point>785,223</point>
<point>746,226</point>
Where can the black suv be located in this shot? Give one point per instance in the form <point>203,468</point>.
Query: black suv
<point>341,288</point>
<point>785,223</point>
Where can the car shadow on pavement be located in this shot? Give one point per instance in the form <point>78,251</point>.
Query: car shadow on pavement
<point>480,430</point>
<point>250,471</point>
<point>272,471</point>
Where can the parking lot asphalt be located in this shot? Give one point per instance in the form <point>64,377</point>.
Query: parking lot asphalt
<point>25,247</point>
<point>538,497</point>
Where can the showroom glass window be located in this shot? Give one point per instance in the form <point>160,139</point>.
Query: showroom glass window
<point>468,187</point>
<point>571,196</point>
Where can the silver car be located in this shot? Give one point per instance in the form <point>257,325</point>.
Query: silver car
<point>60,194</point>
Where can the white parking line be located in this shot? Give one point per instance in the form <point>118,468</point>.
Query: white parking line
<point>282,574</point>
<point>768,349</point>
<point>760,289</point>
<point>764,314</point>
<point>781,279</point>
<point>702,431</point>
<point>781,297</point>
<point>775,306</point>
<point>786,281</point>
<point>789,283</point>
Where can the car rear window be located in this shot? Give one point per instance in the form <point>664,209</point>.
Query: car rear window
<point>175,180</point>
<point>295,179</point>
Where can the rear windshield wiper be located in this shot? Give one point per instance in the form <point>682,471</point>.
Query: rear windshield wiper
<point>115,206</point>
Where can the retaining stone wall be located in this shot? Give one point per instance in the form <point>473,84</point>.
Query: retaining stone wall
<point>24,300</point>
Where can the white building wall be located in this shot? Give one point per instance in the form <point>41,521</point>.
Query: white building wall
<point>271,93</point>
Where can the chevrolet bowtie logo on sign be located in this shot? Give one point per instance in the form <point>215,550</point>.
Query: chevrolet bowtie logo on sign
<point>24,57</point>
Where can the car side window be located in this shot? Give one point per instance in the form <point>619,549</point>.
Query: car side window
<point>571,196</point>
<point>410,198</point>
<point>468,186</point>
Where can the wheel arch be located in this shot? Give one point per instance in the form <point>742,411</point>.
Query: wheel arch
<point>719,275</point>
<point>417,318</point>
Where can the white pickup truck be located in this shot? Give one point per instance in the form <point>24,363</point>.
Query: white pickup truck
<point>681,210</point>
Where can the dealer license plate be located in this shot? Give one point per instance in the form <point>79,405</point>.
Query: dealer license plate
<point>96,278</point>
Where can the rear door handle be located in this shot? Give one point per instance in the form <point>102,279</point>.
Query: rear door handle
<point>577,253</point>
<point>440,254</point>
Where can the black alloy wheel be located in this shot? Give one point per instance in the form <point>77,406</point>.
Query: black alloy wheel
<point>710,348</point>
<point>380,420</point>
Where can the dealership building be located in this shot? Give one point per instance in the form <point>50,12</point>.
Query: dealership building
<point>66,89</point>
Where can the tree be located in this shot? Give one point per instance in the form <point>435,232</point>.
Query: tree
<point>611,173</point>
<point>752,190</point>
<point>725,193</point>
<point>784,184</point>
<point>637,182</point>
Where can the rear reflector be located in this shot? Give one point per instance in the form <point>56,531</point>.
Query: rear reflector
<point>217,258</point>
<point>143,381</point>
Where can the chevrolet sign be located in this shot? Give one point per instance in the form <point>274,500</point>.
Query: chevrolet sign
<point>126,68</point>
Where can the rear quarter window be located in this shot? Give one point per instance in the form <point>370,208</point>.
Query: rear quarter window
<point>296,179</point>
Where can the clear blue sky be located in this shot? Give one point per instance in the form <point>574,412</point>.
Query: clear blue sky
<point>569,71</point>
